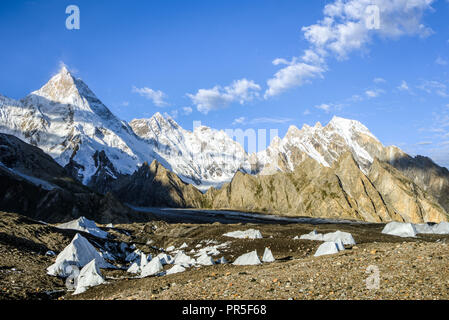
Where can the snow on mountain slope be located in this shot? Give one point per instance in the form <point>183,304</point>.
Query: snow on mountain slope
<point>66,120</point>
<point>204,157</point>
<point>324,144</point>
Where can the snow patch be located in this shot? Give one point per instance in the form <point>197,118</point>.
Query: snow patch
<point>175,269</point>
<point>328,247</point>
<point>248,234</point>
<point>268,256</point>
<point>79,253</point>
<point>152,268</point>
<point>345,237</point>
<point>400,229</point>
<point>247,259</point>
<point>89,276</point>
<point>205,260</point>
<point>85,225</point>
<point>184,260</point>
<point>312,236</point>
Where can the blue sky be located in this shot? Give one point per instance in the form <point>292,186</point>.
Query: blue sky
<point>236,64</point>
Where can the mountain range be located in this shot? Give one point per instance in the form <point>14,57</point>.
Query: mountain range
<point>338,170</point>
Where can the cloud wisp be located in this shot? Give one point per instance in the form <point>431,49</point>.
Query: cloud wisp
<point>261,120</point>
<point>156,96</point>
<point>240,91</point>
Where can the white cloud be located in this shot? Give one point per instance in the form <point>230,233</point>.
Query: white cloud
<point>156,96</point>
<point>424,143</point>
<point>344,29</point>
<point>174,114</point>
<point>374,93</point>
<point>306,112</point>
<point>240,91</point>
<point>441,61</point>
<point>404,86</point>
<point>240,120</point>
<point>295,74</point>
<point>243,120</point>
<point>71,69</point>
<point>187,110</point>
<point>379,80</point>
<point>270,120</point>
<point>434,87</point>
<point>356,98</point>
<point>326,107</point>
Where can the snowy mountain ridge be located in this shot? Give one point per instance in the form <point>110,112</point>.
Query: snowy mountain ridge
<point>324,144</point>
<point>67,121</point>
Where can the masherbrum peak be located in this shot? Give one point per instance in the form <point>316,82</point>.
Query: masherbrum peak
<point>66,120</point>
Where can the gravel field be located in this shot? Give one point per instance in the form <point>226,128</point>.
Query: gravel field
<point>409,268</point>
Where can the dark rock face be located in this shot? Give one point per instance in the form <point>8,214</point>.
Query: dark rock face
<point>33,184</point>
<point>154,186</point>
<point>28,159</point>
<point>73,169</point>
<point>105,175</point>
<point>428,175</point>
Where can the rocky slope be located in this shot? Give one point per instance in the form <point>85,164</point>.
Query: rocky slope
<point>342,191</point>
<point>410,268</point>
<point>152,185</point>
<point>425,173</point>
<point>327,144</point>
<point>409,200</point>
<point>33,184</point>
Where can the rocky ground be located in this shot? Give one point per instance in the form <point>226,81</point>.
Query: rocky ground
<point>408,268</point>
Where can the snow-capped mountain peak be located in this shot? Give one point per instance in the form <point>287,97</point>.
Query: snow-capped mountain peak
<point>324,144</point>
<point>205,157</point>
<point>349,126</point>
<point>63,88</point>
<point>67,121</point>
